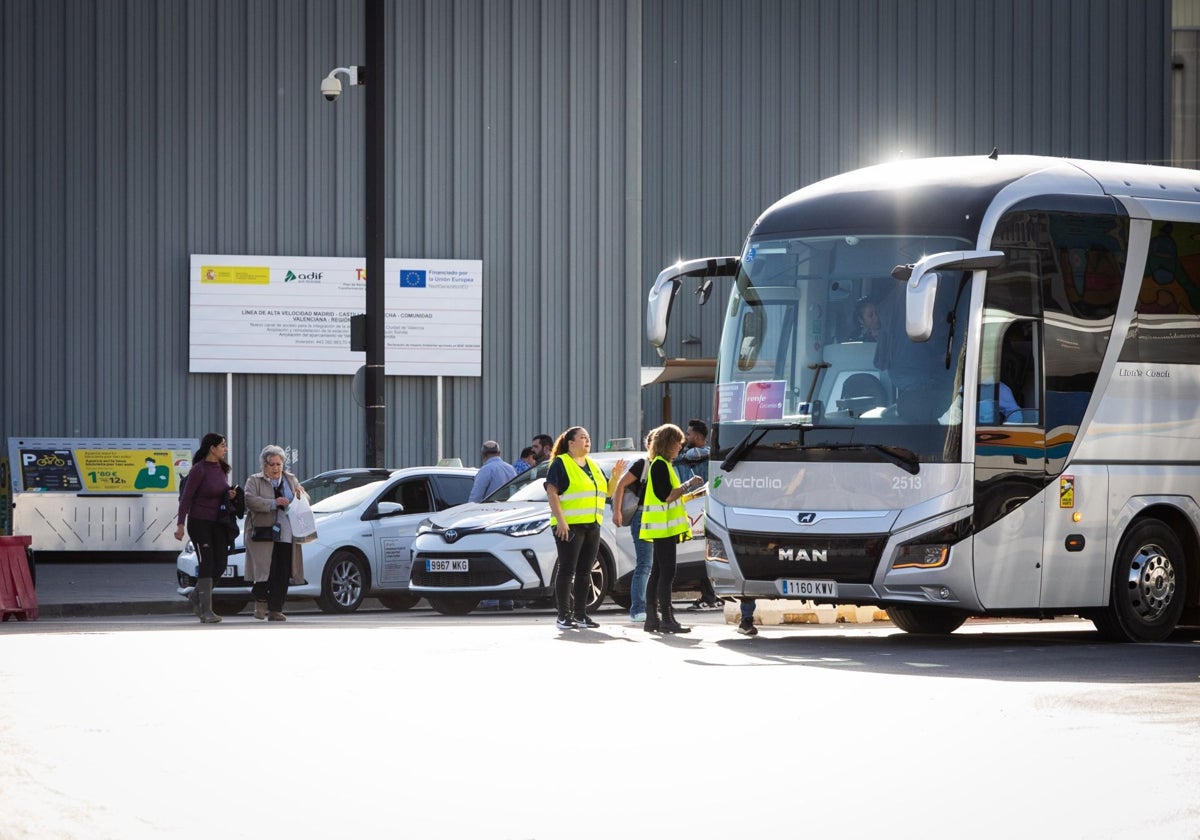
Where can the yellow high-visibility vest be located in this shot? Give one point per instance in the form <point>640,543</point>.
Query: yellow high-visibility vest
<point>659,519</point>
<point>584,500</point>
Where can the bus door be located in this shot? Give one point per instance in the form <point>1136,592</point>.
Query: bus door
<point>1010,462</point>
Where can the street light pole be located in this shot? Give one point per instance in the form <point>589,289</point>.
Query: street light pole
<point>375,189</point>
<point>374,228</point>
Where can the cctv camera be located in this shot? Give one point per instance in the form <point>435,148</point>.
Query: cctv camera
<point>331,88</point>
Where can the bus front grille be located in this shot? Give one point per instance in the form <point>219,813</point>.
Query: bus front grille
<point>846,559</point>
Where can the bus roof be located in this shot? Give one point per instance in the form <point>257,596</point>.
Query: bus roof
<point>950,195</point>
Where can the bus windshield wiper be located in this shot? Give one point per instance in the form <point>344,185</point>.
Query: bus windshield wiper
<point>905,459</point>
<point>756,434</point>
<point>753,437</point>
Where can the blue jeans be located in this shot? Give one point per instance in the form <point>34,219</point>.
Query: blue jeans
<point>643,552</point>
<point>747,608</point>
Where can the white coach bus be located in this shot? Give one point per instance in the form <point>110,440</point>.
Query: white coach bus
<point>963,386</point>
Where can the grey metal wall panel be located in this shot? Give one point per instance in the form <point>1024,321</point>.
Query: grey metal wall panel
<point>1185,85</point>
<point>806,89</point>
<point>575,147</point>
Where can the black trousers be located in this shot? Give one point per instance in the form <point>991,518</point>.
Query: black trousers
<point>274,589</point>
<point>212,546</point>
<point>576,556</point>
<point>662,572</point>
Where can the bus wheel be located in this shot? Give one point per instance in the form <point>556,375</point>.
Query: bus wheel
<point>926,620</point>
<point>1148,586</point>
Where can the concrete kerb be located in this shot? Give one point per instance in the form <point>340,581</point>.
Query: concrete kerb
<point>787,611</point>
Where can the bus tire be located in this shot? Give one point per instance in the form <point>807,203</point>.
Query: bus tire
<point>1149,584</point>
<point>930,621</point>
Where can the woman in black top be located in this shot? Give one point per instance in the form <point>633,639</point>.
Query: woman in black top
<point>205,494</point>
<point>664,445</point>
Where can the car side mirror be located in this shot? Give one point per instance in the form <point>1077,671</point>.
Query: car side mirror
<point>389,509</point>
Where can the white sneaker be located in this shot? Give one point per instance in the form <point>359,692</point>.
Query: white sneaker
<point>638,618</point>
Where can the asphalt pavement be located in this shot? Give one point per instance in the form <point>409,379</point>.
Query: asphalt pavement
<point>107,588</point>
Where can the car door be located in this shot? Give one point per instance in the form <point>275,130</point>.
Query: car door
<point>394,533</point>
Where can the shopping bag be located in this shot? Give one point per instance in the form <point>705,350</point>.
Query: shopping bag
<point>300,517</point>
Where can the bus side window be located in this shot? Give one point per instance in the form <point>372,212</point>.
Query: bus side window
<point>1018,366</point>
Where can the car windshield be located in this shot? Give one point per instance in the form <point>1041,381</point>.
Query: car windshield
<point>530,486</point>
<point>348,499</point>
<point>519,483</point>
<point>533,491</point>
<point>321,487</point>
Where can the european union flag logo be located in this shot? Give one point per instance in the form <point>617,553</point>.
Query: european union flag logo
<point>412,279</point>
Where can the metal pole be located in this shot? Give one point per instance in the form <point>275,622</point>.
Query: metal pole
<point>376,181</point>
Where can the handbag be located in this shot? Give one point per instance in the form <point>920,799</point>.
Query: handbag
<point>632,500</point>
<point>267,533</point>
<point>264,533</point>
<point>231,510</point>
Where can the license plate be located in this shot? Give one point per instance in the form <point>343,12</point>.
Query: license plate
<point>230,572</point>
<point>807,588</point>
<point>446,565</point>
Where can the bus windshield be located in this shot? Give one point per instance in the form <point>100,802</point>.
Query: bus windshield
<point>815,363</point>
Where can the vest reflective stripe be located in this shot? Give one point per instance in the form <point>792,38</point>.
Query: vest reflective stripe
<point>660,519</point>
<point>584,500</point>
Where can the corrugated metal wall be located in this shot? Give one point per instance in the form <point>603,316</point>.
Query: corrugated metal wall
<point>575,147</point>
<point>748,101</point>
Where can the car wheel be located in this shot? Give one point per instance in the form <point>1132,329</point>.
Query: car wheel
<point>930,621</point>
<point>343,583</point>
<point>1148,586</point>
<point>454,604</point>
<point>229,606</point>
<point>399,602</point>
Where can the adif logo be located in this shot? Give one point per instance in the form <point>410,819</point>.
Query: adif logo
<point>312,275</point>
<point>802,555</point>
<point>757,482</point>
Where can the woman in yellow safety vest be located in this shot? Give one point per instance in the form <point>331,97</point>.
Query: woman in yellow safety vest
<point>576,489</point>
<point>664,524</point>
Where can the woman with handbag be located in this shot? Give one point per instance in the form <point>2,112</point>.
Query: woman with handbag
<point>204,504</point>
<point>273,557</point>
<point>627,510</point>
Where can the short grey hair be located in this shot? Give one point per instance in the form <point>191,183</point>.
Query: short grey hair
<point>272,449</point>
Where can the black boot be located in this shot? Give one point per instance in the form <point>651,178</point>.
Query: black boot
<point>651,625</point>
<point>669,624</point>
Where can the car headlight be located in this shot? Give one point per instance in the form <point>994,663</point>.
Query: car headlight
<point>425,527</point>
<point>521,529</point>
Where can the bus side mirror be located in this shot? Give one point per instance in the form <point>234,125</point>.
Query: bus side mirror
<point>666,287</point>
<point>751,343</point>
<point>920,296</point>
<point>922,282</point>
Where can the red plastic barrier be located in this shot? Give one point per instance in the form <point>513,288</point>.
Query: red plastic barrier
<point>17,596</point>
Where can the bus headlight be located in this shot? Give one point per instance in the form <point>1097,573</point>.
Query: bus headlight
<point>921,556</point>
<point>932,550</point>
<point>715,550</point>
